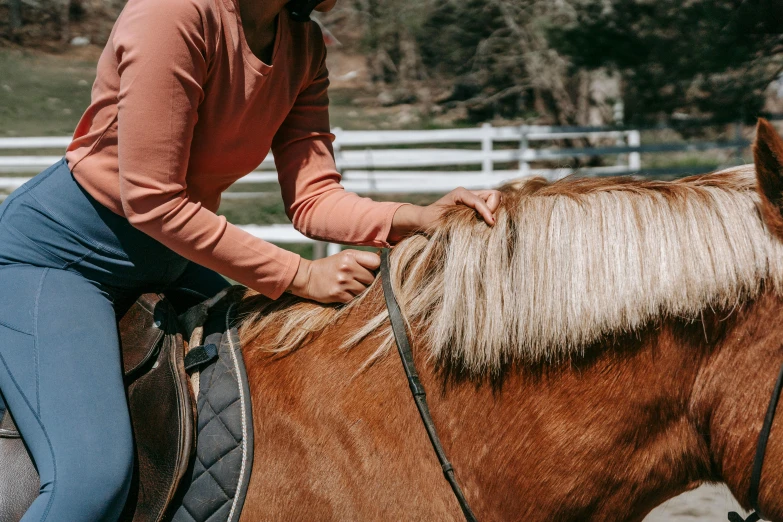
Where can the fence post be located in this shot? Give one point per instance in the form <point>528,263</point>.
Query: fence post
<point>319,250</point>
<point>373,185</point>
<point>634,158</point>
<point>333,248</point>
<point>524,166</point>
<point>337,147</point>
<point>486,148</point>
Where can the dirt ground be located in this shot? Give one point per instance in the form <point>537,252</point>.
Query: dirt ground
<point>705,504</point>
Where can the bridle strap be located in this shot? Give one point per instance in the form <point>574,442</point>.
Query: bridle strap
<point>761,450</point>
<point>419,396</point>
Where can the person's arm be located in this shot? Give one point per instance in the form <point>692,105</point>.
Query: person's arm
<point>162,52</point>
<point>316,203</point>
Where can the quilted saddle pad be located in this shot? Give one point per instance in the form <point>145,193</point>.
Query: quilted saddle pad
<point>215,485</point>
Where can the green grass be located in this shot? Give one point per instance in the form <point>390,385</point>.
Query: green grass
<point>45,95</point>
<point>264,210</point>
<point>303,249</point>
<point>42,95</point>
<point>268,210</point>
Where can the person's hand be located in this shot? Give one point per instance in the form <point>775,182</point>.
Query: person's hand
<point>408,218</point>
<point>485,202</point>
<point>335,279</point>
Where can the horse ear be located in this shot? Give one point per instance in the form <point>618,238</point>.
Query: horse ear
<point>768,157</point>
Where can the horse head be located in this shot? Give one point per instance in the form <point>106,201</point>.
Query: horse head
<point>739,379</point>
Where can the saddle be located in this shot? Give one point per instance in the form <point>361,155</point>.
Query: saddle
<point>164,414</point>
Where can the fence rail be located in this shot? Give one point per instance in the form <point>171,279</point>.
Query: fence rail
<point>385,162</point>
<point>370,151</point>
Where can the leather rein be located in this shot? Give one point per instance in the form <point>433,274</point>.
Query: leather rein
<point>417,390</point>
<point>420,398</point>
<point>761,450</point>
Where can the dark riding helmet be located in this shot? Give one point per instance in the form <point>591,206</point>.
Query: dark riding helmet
<point>300,9</point>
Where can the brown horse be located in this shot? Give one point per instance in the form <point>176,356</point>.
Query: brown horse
<point>607,345</point>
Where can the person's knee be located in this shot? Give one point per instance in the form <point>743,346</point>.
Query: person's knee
<point>94,485</point>
<point>113,468</point>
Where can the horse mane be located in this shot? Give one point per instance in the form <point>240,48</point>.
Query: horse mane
<point>566,265</point>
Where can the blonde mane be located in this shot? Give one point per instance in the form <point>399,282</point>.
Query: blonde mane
<point>565,265</point>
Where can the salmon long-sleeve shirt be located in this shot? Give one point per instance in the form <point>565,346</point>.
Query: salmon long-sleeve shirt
<point>181,108</point>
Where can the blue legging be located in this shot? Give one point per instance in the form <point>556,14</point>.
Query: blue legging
<point>69,267</point>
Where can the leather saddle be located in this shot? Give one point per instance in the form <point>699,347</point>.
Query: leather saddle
<point>162,409</point>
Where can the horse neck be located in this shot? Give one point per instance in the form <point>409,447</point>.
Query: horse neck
<point>731,396</point>
<point>605,437</point>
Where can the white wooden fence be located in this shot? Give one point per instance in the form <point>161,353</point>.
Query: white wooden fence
<point>427,161</point>
<point>370,164</point>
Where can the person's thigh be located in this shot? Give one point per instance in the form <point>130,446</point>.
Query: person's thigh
<point>61,377</point>
<point>195,284</point>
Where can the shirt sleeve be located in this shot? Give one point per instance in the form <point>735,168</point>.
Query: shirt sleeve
<point>318,206</point>
<point>161,52</point>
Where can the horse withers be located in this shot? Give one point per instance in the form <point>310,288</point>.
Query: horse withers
<point>607,345</point>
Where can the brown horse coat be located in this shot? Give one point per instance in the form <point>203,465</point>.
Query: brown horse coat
<point>602,419</point>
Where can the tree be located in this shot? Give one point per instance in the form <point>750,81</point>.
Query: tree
<point>64,19</point>
<point>390,27</point>
<point>497,53</point>
<point>699,57</point>
<point>14,18</point>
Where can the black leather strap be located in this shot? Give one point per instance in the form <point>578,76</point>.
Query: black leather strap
<point>195,316</point>
<point>200,355</point>
<point>419,396</point>
<point>761,450</point>
<point>300,9</point>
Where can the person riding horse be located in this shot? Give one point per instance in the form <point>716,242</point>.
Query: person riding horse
<point>190,95</point>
